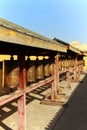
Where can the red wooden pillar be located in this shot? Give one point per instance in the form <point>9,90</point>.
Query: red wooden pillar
<point>68,78</point>
<point>22,99</point>
<point>79,69</point>
<point>75,69</point>
<point>52,61</point>
<point>55,83</point>
<point>56,74</point>
<point>52,91</point>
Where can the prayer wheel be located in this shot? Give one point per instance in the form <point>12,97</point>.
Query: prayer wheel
<point>12,73</point>
<point>31,71</point>
<point>46,68</point>
<point>59,64</point>
<point>69,63</point>
<point>0,74</point>
<point>51,69</point>
<point>72,63</point>
<point>66,63</point>
<point>63,64</point>
<point>39,69</point>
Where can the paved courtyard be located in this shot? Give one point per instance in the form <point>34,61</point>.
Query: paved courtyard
<point>72,116</point>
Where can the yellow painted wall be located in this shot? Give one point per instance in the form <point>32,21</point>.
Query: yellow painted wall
<point>85,62</point>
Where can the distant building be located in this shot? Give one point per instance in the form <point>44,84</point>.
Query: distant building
<point>82,47</point>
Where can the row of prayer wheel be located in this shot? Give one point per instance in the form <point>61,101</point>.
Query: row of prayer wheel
<point>39,69</point>
<point>80,62</point>
<point>63,64</point>
<point>36,70</point>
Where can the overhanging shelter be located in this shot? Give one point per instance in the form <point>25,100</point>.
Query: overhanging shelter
<point>15,34</point>
<point>16,40</point>
<point>69,46</point>
<point>73,59</point>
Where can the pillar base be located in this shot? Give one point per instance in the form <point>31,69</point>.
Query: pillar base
<point>75,80</point>
<point>60,91</point>
<point>57,101</point>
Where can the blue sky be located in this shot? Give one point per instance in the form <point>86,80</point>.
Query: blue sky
<point>64,19</point>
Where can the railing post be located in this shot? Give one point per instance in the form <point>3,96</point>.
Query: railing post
<point>56,74</point>
<point>22,99</point>
<point>68,78</point>
<point>75,69</point>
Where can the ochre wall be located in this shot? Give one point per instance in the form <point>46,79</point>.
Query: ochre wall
<point>85,62</point>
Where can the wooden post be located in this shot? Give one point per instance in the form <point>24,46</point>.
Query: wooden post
<point>3,74</point>
<point>55,83</point>
<point>68,78</point>
<point>51,69</point>
<point>75,69</point>
<point>22,113</point>
<point>22,99</point>
<point>56,74</point>
<point>52,91</point>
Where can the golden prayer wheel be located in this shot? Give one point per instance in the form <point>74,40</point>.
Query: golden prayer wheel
<point>0,74</point>
<point>81,62</point>
<point>39,69</point>
<point>12,73</point>
<point>46,68</point>
<point>31,71</point>
<point>62,63</point>
<point>66,63</point>
<point>69,63</point>
<point>51,69</point>
<point>59,64</point>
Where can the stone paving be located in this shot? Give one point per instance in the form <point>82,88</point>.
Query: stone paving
<point>74,116</point>
<point>47,117</point>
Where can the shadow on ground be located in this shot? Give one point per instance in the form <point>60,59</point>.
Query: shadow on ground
<point>11,107</point>
<point>65,119</point>
<point>73,115</point>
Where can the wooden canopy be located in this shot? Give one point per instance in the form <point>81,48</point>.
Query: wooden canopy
<point>13,36</point>
<point>70,48</point>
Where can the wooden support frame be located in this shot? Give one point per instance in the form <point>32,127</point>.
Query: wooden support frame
<point>68,79</point>
<point>22,99</point>
<point>14,40</point>
<point>52,91</point>
<point>75,69</point>
<point>56,74</point>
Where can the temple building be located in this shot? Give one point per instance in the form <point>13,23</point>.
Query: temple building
<point>82,47</point>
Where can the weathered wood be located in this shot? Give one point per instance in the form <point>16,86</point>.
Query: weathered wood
<point>22,99</point>
<point>13,33</point>
<point>39,84</point>
<point>22,113</point>
<point>1,75</point>
<point>46,67</point>
<point>39,69</point>
<point>7,98</point>
<point>12,73</point>
<point>31,71</point>
<point>56,74</point>
<point>52,103</point>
